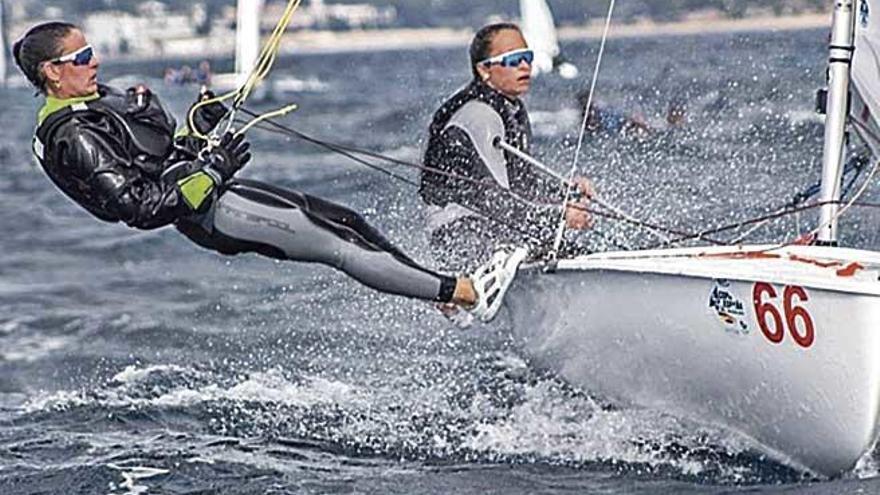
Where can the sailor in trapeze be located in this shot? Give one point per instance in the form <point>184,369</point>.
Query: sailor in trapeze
<point>462,149</point>
<point>115,154</point>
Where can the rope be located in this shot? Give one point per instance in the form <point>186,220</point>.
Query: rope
<point>855,163</point>
<point>742,223</point>
<point>561,229</point>
<point>349,151</point>
<point>705,235</point>
<point>257,74</point>
<point>567,183</point>
<point>849,204</point>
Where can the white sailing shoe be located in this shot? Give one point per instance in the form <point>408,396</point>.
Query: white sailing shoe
<point>492,280</point>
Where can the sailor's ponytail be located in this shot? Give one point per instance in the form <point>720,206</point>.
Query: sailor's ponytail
<point>41,43</point>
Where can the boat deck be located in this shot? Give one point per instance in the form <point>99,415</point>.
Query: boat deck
<point>831,268</point>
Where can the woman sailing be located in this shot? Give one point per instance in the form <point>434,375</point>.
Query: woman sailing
<point>115,154</point>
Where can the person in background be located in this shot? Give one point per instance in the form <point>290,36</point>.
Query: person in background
<point>172,76</point>
<point>203,73</point>
<point>609,121</point>
<point>602,119</point>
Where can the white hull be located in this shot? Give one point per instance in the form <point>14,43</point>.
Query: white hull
<point>638,327</point>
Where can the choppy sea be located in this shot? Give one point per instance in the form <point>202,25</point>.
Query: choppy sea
<point>135,362</point>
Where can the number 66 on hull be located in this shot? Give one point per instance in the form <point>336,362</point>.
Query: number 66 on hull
<point>794,317</point>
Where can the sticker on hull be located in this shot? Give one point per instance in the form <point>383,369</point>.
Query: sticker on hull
<point>729,308</point>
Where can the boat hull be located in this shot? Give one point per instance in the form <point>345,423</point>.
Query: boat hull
<point>804,380</point>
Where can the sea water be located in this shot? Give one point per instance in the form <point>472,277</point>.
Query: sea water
<point>135,362</point>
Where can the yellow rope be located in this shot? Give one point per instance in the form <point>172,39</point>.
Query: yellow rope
<point>269,115</point>
<point>258,73</point>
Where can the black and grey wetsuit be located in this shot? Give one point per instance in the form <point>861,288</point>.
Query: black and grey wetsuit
<point>468,218</point>
<point>118,159</point>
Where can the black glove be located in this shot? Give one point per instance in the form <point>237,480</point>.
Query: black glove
<point>225,160</point>
<point>208,116</point>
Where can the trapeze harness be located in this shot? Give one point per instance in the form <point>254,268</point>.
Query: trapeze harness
<point>116,157</point>
<point>460,143</point>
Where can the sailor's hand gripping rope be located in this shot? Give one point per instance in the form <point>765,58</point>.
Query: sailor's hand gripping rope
<point>576,188</point>
<point>258,73</point>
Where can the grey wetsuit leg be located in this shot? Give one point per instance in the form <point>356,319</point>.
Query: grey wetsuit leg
<point>254,217</point>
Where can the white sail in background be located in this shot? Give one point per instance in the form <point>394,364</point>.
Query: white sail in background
<point>865,109</point>
<point>247,37</point>
<point>540,32</point>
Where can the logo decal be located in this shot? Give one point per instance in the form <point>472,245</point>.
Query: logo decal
<point>730,309</point>
<point>864,13</point>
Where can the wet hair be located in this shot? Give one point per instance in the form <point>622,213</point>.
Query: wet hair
<point>41,43</point>
<point>481,45</point>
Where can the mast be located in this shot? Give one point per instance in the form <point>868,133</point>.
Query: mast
<point>4,50</point>
<point>247,46</point>
<point>840,53</point>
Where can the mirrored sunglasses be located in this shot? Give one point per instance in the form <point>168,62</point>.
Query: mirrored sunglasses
<point>83,56</point>
<point>511,58</point>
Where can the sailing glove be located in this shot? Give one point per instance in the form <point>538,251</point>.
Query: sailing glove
<point>208,116</point>
<point>223,161</point>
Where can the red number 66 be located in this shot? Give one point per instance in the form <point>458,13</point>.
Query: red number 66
<point>803,334</point>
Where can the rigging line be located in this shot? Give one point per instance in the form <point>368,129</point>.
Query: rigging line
<point>865,204</point>
<point>561,228</point>
<point>257,74</point>
<point>855,198</point>
<point>755,228</point>
<point>846,207</point>
<point>858,172</point>
<point>522,155</point>
<point>852,180</point>
<point>770,216</point>
<point>348,150</point>
<point>265,127</point>
<point>703,235</point>
<point>855,163</point>
<point>284,130</point>
<point>763,218</point>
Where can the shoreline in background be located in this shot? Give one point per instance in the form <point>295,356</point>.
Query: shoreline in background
<point>321,42</point>
<point>699,26</point>
<point>308,42</point>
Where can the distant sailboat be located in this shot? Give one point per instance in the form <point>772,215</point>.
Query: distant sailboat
<point>540,32</point>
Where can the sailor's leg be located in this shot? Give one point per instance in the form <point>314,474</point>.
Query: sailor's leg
<point>253,217</point>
